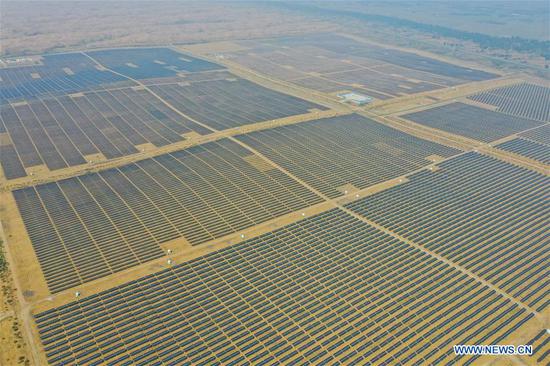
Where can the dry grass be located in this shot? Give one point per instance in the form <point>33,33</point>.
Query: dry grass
<point>12,345</point>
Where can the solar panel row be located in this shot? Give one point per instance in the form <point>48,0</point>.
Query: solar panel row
<point>470,121</point>
<point>11,165</point>
<point>327,289</point>
<point>60,132</point>
<point>223,104</point>
<point>331,63</point>
<point>328,86</point>
<point>74,239</point>
<point>539,134</point>
<point>530,149</point>
<point>58,74</point>
<point>381,82</point>
<point>191,77</point>
<point>541,347</point>
<point>102,222</point>
<point>146,63</point>
<point>332,152</point>
<point>524,100</point>
<point>481,213</point>
<point>349,47</point>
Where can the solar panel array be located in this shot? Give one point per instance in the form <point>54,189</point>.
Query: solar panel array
<point>101,222</point>
<point>332,152</point>
<point>332,63</point>
<point>146,63</point>
<point>66,130</point>
<point>471,121</point>
<point>483,214</point>
<point>530,149</point>
<point>524,100</point>
<point>534,144</point>
<point>11,165</point>
<point>57,74</point>
<point>190,77</point>
<point>62,131</point>
<point>232,102</point>
<point>381,82</point>
<point>329,289</point>
<point>75,239</point>
<point>539,134</point>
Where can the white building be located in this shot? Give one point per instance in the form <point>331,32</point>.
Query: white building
<point>355,98</point>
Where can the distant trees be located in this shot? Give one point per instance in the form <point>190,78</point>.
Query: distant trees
<point>518,44</point>
<point>3,261</point>
<point>485,41</point>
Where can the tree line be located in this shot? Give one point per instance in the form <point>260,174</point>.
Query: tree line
<point>518,44</point>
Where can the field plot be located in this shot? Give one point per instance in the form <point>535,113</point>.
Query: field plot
<point>332,152</point>
<point>233,102</point>
<point>471,121</point>
<point>346,64</point>
<point>102,222</point>
<point>146,63</point>
<point>524,100</point>
<point>327,289</point>
<point>486,215</point>
<point>530,149</point>
<point>62,131</point>
<point>58,74</point>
